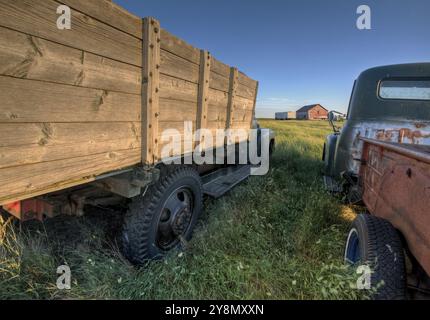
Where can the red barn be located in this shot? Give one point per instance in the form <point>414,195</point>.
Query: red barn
<point>312,112</point>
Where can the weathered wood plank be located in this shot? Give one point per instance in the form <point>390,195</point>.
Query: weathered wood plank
<point>22,182</point>
<point>179,47</point>
<point>175,125</point>
<point>176,110</point>
<point>216,125</point>
<point>217,110</point>
<point>245,92</point>
<point>247,81</point>
<point>217,114</point>
<point>241,103</point>
<point>217,97</point>
<point>219,82</point>
<point>150,89</point>
<point>240,125</point>
<point>242,116</point>
<point>224,70</point>
<point>177,89</point>
<point>203,97</point>
<point>36,101</point>
<point>178,67</point>
<point>232,92</point>
<point>54,134</point>
<point>109,13</point>
<point>29,57</point>
<point>220,68</point>
<point>41,142</point>
<point>254,106</point>
<point>39,18</point>
<point>185,145</point>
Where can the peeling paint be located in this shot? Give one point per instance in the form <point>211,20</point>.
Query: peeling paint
<point>391,131</point>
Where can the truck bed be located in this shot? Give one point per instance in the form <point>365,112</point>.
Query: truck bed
<point>76,104</point>
<point>395,181</point>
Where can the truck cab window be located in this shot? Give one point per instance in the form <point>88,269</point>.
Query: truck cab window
<point>405,89</point>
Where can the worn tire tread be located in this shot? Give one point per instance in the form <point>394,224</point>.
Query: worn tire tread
<point>139,216</point>
<point>385,257</point>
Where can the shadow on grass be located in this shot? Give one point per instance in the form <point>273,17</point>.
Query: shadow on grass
<point>274,237</point>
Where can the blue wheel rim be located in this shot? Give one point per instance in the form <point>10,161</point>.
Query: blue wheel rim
<point>352,250</point>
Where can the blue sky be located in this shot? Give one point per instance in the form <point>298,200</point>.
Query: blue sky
<point>301,51</point>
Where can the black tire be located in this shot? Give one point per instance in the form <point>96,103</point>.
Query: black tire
<point>376,243</point>
<point>272,148</point>
<point>167,212</point>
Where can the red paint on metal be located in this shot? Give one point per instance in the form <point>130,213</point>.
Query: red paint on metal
<point>30,209</point>
<point>13,208</point>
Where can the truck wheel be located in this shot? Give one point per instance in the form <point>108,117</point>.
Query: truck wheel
<point>376,243</point>
<point>163,217</point>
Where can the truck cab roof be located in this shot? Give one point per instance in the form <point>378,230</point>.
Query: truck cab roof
<point>392,92</point>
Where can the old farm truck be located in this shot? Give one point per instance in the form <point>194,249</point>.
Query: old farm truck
<point>381,158</point>
<point>83,112</point>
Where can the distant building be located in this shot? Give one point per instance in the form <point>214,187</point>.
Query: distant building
<point>285,115</point>
<point>312,112</point>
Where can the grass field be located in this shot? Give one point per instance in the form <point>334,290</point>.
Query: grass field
<point>275,237</point>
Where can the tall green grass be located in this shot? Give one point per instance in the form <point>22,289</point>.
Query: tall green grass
<point>275,237</point>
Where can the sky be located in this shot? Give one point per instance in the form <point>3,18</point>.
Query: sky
<point>301,51</point>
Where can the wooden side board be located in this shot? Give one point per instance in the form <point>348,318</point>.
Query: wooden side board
<point>109,13</point>
<point>43,142</point>
<point>24,101</point>
<point>30,57</point>
<point>177,46</point>
<point>75,104</point>
<point>38,18</point>
<point>44,177</point>
<point>70,100</point>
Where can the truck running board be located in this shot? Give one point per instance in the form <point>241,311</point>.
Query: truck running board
<point>219,182</point>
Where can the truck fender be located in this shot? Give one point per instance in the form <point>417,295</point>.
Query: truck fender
<point>329,153</point>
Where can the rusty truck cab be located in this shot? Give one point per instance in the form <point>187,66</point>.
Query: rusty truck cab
<point>389,103</point>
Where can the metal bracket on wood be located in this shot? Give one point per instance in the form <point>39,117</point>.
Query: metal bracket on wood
<point>129,184</point>
<point>141,177</point>
<point>150,89</point>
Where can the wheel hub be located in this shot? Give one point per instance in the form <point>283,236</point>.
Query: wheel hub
<point>181,221</point>
<point>175,218</point>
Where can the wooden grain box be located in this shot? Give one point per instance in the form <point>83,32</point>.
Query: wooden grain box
<point>79,103</point>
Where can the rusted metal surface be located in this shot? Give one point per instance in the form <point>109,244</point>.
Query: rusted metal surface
<point>70,202</point>
<point>402,132</point>
<point>396,186</point>
<point>32,209</point>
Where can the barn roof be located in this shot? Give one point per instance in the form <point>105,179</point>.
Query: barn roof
<point>309,107</point>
